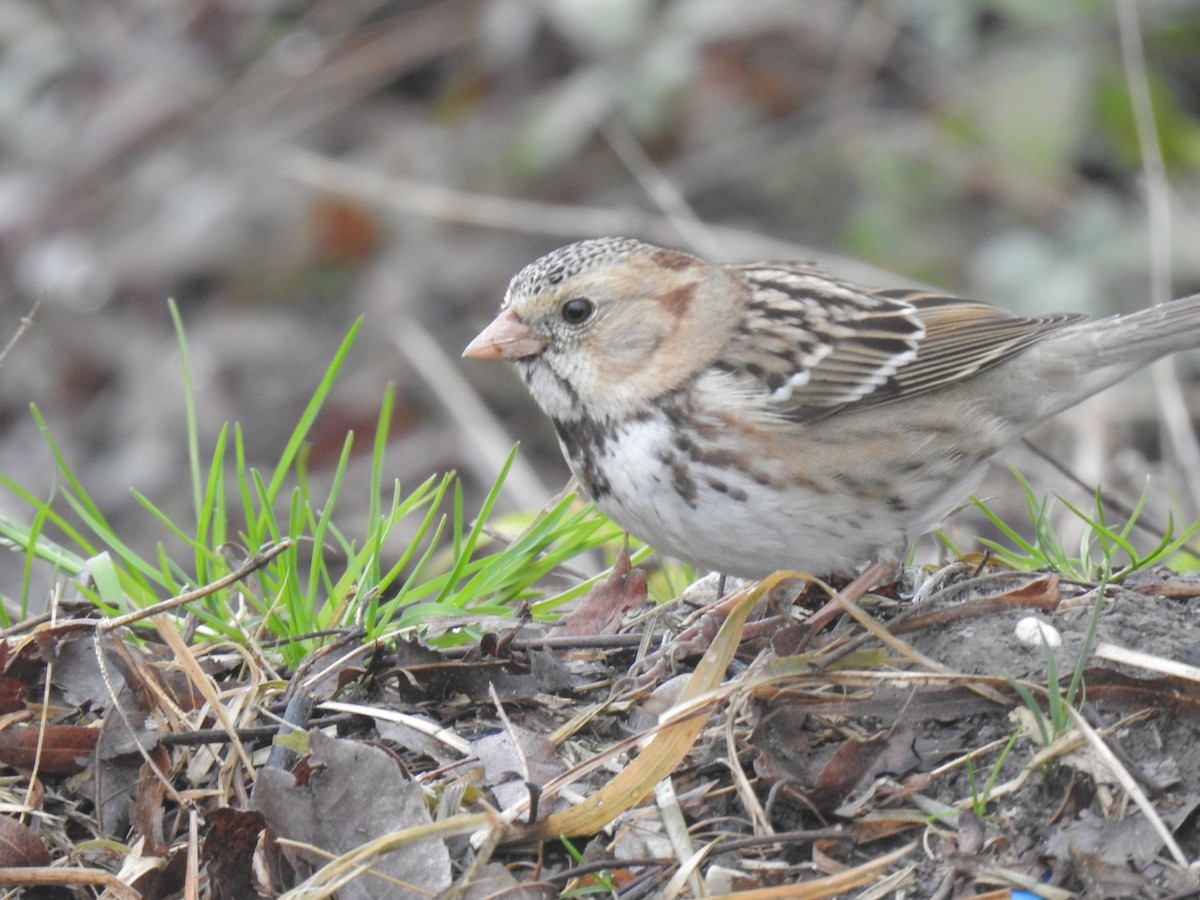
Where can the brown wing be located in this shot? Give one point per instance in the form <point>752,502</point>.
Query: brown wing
<point>816,344</point>
<point>963,337</point>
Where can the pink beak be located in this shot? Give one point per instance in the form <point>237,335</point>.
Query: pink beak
<point>506,338</point>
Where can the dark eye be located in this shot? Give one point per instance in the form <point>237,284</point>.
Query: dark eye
<point>577,310</point>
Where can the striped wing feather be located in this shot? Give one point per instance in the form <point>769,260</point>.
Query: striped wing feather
<point>963,337</point>
<point>817,344</point>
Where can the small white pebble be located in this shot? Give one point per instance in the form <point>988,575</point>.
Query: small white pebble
<point>1031,629</point>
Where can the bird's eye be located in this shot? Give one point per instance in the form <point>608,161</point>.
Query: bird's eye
<point>577,310</point>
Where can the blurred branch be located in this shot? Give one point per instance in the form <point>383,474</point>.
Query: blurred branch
<point>324,73</point>
<point>1158,193</point>
<point>560,220</point>
<point>26,323</point>
<point>659,188</point>
<point>1176,421</point>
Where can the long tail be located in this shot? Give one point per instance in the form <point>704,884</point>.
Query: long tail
<point>1092,356</point>
<point>1147,334</point>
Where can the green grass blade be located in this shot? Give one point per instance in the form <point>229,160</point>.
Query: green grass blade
<point>464,549</point>
<point>107,580</point>
<point>1089,641</point>
<point>994,776</point>
<point>143,572</point>
<point>383,427</point>
<point>1007,530</point>
<point>248,489</point>
<point>310,412</point>
<point>189,406</point>
<point>211,522</point>
<point>94,514</point>
<point>318,574</point>
<point>1059,717</point>
<point>23,536</point>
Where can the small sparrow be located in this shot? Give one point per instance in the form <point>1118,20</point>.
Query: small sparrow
<point>751,418</point>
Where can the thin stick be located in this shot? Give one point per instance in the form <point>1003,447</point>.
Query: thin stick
<point>252,565</point>
<point>559,220</point>
<point>658,187</point>
<point>1176,421</point>
<point>1121,774</point>
<point>26,324</point>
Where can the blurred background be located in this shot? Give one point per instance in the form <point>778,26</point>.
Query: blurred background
<point>281,167</point>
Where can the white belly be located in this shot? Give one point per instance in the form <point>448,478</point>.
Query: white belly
<point>721,518</point>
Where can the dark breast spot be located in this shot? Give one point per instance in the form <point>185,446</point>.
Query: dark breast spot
<point>583,441</point>
<point>681,477</point>
<point>736,494</point>
<point>699,441</point>
<point>586,442</point>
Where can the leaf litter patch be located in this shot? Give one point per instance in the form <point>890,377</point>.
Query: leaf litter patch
<point>907,749</point>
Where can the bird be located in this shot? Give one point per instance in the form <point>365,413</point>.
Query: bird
<point>756,417</point>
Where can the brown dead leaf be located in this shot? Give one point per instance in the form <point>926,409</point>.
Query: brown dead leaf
<point>20,846</point>
<point>782,748</point>
<point>123,737</point>
<point>605,606</point>
<point>971,833</point>
<point>1178,590</point>
<point>78,676</point>
<point>1131,843</point>
<point>1109,689</point>
<point>146,812</point>
<point>1103,879</point>
<point>65,749</point>
<point>12,687</point>
<point>167,882</point>
<point>844,769</point>
<point>421,674</point>
<point>943,703</point>
<point>885,823</point>
<point>12,694</point>
<point>1041,593</point>
<point>496,882</point>
<point>229,851</point>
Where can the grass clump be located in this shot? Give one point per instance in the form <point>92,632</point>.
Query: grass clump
<point>448,564</point>
<point>1106,551</point>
